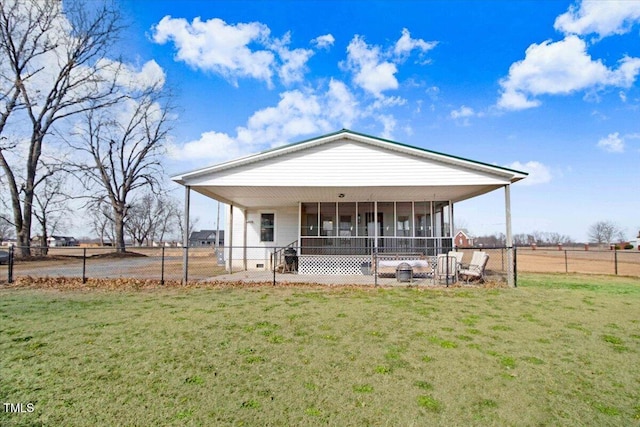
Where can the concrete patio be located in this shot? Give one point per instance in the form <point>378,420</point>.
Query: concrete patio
<point>325,279</point>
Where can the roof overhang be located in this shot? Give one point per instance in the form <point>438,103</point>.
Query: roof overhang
<point>256,197</point>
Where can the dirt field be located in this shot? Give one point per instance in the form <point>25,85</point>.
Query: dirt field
<point>579,261</point>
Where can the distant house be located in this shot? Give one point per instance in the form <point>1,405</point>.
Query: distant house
<point>463,240</point>
<point>54,241</point>
<point>205,238</point>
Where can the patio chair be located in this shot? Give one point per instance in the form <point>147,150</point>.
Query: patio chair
<point>475,269</point>
<point>446,268</point>
<point>458,255</point>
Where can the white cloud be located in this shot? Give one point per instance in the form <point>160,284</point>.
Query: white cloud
<point>462,112</point>
<point>234,51</point>
<point>560,68</point>
<point>298,113</point>
<point>612,143</point>
<point>216,46</point>
<point>306,109</point>
<point>342,105</point>
<point>294,62</point>
<point>128,76</point>
<point>372,72</point>
<point>212,146</point>
<point>462,115</point>
<point>323,42</point>
<point>538,173</point>
<point>604,18</point>
<point>375,69</point>
<point>405,45</point>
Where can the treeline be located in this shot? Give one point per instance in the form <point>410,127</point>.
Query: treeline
<point>80,128</point>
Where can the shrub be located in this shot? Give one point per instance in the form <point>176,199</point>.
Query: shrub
<point>628,246</point>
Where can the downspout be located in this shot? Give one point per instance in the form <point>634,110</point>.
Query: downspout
<point>185,238</point>
<point>507,203</point>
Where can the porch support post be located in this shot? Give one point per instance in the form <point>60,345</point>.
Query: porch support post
<point>230,238</point>
<point>375,225</point>
<point>244,241</point>
<point>510,266</point>
<point>452,229</point>
<point>185,238</point>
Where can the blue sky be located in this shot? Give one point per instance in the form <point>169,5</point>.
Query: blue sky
<point>548,87</point>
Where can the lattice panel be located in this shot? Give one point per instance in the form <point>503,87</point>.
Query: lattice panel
<point>333,264</point>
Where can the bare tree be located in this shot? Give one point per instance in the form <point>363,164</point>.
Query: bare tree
<point>124,145</point>
<point>551,238</point>
<point>51,69</point>
<point>151,217</point>
<point>193,222</point>
<point>50,205</point>
<point>604,232</point>
<point>5,228</point>
<point>101,220</point>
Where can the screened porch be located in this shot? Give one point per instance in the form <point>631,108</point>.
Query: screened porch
<point>359,228</point>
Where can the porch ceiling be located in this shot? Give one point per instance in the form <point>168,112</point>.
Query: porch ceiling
<point>273,196</point>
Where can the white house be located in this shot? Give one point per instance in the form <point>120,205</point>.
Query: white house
<point>338,197</point>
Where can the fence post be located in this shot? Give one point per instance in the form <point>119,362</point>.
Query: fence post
<point>185,264</point>
<point>566,262</point>
<point>446,273</point>
<point>273,264</point>
<point>10,266</point>
<point>162,268</point>
<point>615,259</point>
<point>374,266</point>
<point>84,265</point>
<point>515,266</point>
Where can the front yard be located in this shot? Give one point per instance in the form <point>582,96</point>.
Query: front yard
<point>558,350</point>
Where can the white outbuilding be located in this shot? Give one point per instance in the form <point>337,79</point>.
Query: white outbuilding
<point>336,199</point>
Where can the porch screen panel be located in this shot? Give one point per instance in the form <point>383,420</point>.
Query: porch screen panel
<point>404,226</point>
<point>347,219</point>
<point>328,225</point>
<point>366,219</point>
<point>423,219</point>
<point>404,219</point>
<point>442,220</point>
<point>386,214</point>
<point>309,219</point>
<point>442,225</point>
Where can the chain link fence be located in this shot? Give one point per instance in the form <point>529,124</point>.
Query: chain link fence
<point>295,264</point>
<point>576,260</point>
<point>291,264</point>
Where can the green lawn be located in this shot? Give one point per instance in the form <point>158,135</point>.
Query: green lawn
<point>558,350</point>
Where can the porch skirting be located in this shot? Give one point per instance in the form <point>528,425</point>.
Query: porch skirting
<point>332,264</point>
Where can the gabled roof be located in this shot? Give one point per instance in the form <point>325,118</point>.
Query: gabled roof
<point>349,134</point>
<point>356,166</point>
<point>205,235</point>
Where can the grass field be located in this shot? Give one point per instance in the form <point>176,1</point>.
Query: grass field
<point>558,350</point>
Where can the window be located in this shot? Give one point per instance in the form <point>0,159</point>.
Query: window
<point>267,225</point>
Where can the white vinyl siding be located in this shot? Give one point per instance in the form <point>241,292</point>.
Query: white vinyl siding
<point>353,163</point>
